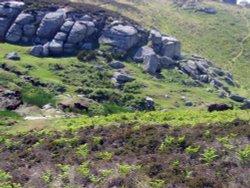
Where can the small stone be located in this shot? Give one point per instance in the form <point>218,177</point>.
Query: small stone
<point>13,56</point>
<point>117,65</point>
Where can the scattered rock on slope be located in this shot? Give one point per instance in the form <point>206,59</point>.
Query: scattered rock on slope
<point>13,56</point>
<point>122,78</point>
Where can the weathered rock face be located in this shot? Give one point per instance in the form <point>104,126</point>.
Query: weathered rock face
<point>8,12</point>
<point>165,45</point>
<point>121,36</point>
<point>151,64</point>
<point>9,100</point>
<point>142,53</point>
<point>50,24</point>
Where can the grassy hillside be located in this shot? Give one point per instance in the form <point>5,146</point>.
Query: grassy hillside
<point>73,75</point>
<point>223,37</point>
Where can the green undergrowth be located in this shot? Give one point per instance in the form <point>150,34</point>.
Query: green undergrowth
<point>174,118</point>
<point>150,153</point>
<point>9,118</point>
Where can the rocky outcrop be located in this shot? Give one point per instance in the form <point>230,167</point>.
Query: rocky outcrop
<point>9,100</point>
<point>161,52</point>
<point>65,32</point>
<point>204,71</point>
<point>8,12</point>
<point>120,36</point>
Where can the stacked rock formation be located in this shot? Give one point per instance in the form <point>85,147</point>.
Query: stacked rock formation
<point>160,52</point>
<point>64,32</point>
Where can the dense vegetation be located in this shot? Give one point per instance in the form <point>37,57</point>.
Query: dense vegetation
<point>130,150</point>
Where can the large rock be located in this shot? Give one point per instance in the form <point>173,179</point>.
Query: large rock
<point>151,64</point>
<point>155,38</point>
<point>40,50</point>
<point>80,31</point>
<point>56,47</point>
<point>77,33</point>
<point>120,36</point>
<point>14,34</point>
<point>171,47</point>
<point>8,12</point>
<point>24,18</point>
<point>61,36</point>
<point>142,53</point>
<point>50,24</point>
